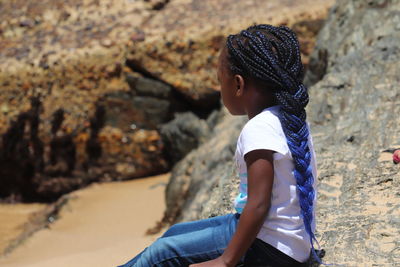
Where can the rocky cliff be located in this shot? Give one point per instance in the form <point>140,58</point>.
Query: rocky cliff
<point>63,89</point>
<point>354,115</point>
<point>87,86</point>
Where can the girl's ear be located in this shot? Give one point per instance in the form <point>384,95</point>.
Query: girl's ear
<point>239,83</point>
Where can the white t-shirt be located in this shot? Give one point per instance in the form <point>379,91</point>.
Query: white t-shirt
<point>283,227</point>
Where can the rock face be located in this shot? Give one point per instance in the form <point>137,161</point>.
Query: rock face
<point>68,58</point>
<point>66,51</point>
<point>354,111</point>
<point>354,115</point>
<point>140,62</point>
<point>182,50</point>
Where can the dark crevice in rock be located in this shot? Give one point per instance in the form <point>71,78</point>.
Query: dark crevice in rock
<point>179,102</point>
<point>35,170</point>
<point>157,4</point>
<point>93,147</point>
<point>136,67</point>
<point>62,149</point>
<point>21,154</point>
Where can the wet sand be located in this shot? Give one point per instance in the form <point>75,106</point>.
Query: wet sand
<point>102,225</point>
<point>13,220</point>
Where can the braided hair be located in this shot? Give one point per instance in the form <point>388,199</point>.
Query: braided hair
<point>272,55</point>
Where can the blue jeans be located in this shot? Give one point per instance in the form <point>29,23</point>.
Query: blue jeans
<point>199,241</point>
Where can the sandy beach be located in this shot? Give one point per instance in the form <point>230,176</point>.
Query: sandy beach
<point>101,225</point>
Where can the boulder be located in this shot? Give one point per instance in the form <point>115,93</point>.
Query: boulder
<point>129,112</point>
<point>183,134</point>
<point>143,86</point>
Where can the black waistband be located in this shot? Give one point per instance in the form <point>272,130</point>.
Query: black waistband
<point>263,254</point>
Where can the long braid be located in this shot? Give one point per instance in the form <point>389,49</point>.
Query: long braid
<point>272,55</point>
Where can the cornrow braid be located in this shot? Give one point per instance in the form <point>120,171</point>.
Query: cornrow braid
<point>272,54</point>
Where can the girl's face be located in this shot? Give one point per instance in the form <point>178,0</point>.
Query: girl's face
<point>231,90</point>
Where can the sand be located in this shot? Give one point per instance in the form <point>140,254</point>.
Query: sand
<point>102,225</point>
<point>13,220</point>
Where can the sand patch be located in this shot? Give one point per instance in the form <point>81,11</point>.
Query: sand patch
<point>13,219</point>
<point>101,225</point>
<point>385,156</point>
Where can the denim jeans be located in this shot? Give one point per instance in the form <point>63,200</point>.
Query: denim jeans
<point>198,241</point>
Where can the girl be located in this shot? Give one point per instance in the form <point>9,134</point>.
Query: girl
<point>260,73</point>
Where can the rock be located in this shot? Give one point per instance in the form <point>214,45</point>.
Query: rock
<point>193,178</point>
<point>34,168</point>
<point>153,110</point>
<point>182,50</point>
<point>183,134</point>
<point>214,118</point>
<point>354,115</point>
<point>27,23</point>
<point>148,87</point>
<point>149,104</point>
<point>107,43</point>
<point>131,155</point>
<point>145,112</point>
<point>353,111</point>
<point>75,60</point>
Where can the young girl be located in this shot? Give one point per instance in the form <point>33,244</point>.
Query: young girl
<point>260,73</point>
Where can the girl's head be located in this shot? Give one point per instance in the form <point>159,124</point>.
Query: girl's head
<point>268,58</point>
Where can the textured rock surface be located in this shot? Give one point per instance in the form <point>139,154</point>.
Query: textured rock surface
<point>183,134</point>
<point>71,55</point>
<point>70,52</point>
<point>182,50</point>
<point>194,177</point>
<point>354,113</point>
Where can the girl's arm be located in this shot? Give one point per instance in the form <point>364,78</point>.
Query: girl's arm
<point>260,177</point>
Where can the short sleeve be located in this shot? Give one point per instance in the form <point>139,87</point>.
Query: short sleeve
<point>263,134</point>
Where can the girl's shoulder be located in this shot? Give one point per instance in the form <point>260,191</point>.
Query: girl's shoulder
<point>263,131</point>
<point>266,121</point>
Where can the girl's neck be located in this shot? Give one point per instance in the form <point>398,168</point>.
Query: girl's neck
<point>257,102</point>
<point>255,112</point>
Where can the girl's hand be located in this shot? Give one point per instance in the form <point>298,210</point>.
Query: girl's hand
<point>218,262</point>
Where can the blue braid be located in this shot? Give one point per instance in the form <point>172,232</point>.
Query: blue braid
<point>272,54</point>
